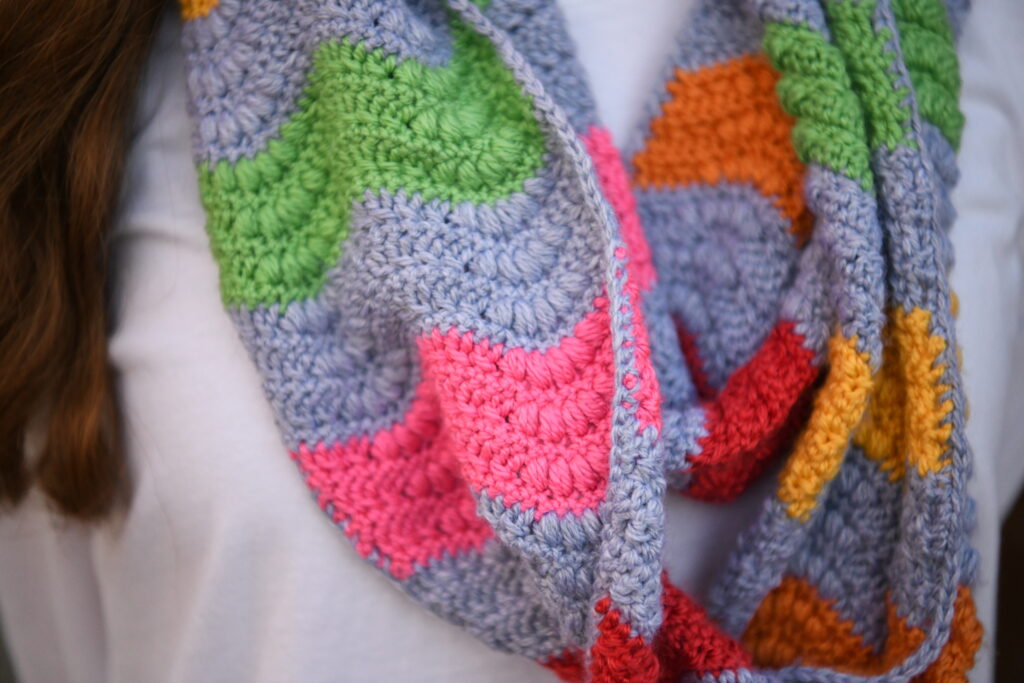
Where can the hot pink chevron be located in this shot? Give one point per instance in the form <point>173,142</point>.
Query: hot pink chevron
<point>533,427</point>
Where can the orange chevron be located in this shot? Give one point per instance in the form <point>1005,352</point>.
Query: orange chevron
<point>725,122</point>
<point>795,624</point>
<point>193,9</point>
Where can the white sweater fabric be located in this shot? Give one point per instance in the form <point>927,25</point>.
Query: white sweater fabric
<point>224,569</point>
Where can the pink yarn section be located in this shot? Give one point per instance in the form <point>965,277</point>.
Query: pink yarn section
<point>398,496</point>
<point>614,182</point>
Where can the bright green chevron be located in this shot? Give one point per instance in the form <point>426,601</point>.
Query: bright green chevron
<point>816,90</point>
<point>869,62</point>
<point>926,40</point>
<point>461,132</point>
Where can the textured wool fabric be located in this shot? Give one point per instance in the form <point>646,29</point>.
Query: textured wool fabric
<point>491,345</point>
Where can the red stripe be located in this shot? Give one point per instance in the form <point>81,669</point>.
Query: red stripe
<point>688,641</point>
<point>616,657</point>
<point>753,416</point>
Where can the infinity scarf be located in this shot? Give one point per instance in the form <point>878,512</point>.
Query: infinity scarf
<point>493,344</point>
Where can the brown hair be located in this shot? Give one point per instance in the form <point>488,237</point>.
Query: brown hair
<point>69,73</point>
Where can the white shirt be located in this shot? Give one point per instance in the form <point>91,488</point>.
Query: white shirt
<point>225,570</point>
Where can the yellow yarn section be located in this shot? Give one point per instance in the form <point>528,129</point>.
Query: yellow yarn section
<point>904,423</point>
<point>838,407</point>
<point>193,9</point>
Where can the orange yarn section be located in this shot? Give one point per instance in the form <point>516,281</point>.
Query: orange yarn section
<point>724,122</point>
<point>957,657</point>
<point>688,641</point>
<point>794,623</point>
<point>193,9</point>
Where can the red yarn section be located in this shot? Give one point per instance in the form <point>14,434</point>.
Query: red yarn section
<point>752,416</point>
<point>568,666</point>
<point>617,657</point>
<point>689,641</point>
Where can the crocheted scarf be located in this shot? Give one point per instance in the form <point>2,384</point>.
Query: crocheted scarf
<point>492,343</point>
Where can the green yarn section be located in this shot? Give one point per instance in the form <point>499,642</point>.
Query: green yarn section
<point>869,63</point>
<point>926,39</point>
<point>461,132</point>
<point>816,90</point>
